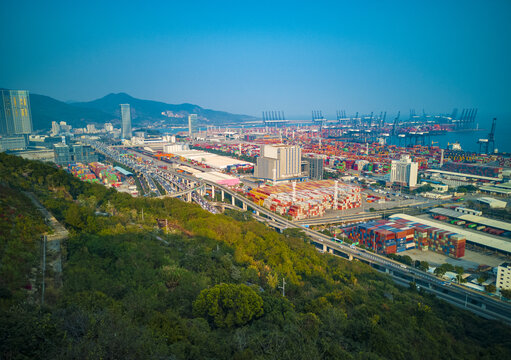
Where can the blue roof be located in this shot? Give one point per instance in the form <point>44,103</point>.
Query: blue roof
<point>123,171</point>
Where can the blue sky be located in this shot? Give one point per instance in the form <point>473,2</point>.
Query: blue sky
<point>250,56</point>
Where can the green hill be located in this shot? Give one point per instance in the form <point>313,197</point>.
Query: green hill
<point>202,287</point>
<point>148,110</point>
<point>46,109</point>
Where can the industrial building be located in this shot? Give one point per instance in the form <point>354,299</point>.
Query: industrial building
<point>314,168</point>
<point>125,121</point>
<point>473,169</point>
<point>279,163</point>
<point>211,160</point>
<point>15,119</point>
<point>493,203</point>
<point>503,281</point>
<point>486,223</point>
<point>76,153</point>
<point>404,171</point>
<point>503,189</point>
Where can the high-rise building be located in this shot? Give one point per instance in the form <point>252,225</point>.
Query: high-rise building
<point>315,168</point>
<point>192,124</point>
<point>279,163</point>
<point>125,121</point>
<point>15,117</point>
<point>404,171</point>
<point>503,281</point>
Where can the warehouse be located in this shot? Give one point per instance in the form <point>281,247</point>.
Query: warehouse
<point>479,220</point>
<point>493,203</point>
<point>211,160</point>
<point>218,178</point>
<point>480,240</point>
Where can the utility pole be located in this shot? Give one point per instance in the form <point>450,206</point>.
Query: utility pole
<point>283,287</point>
<point>44,270</point>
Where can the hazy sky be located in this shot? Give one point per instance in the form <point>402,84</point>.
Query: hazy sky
<point>249,56</point>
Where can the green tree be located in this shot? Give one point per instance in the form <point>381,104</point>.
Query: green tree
<point>490,288</point>
<point>506,293</point>
<point>228,305</point>
<point>424,266</point>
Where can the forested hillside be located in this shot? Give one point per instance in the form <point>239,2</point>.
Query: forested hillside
<point>204,286</point>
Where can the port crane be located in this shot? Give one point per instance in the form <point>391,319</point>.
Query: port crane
<point>395,123</point>
<point>490,140</point>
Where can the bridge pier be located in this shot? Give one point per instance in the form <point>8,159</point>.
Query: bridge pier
<point>212,192</point>
<point>257,212</point>
<point>223,195</point>
<point>189,197</point>
<point>233,200</point>
<point>244,207</point>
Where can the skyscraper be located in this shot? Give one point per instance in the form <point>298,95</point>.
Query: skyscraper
<point>125,121</point>
<point>15,117</point>
<point>192,124</point>
<point>404,171</point>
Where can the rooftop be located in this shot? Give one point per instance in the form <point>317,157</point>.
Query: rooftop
<point>473,218</point>
<point>463,175</point>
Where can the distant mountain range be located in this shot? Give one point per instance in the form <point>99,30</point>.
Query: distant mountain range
<point>106,109</point>
<point>148,110</point>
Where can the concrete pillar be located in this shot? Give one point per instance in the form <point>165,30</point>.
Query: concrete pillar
<point>324,248</point>
<point>257,212</point>
<point>331,251</point>
<point>223,195</point>
<point>212,192</point>
<point>233,201</point>
<point>189,197</point>
<point>244,207</point>
<point>350,257</point>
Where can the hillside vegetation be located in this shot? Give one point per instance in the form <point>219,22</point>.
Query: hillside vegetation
<point>207,286</point>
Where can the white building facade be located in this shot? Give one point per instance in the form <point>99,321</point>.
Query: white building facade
<point>504,276</point>
<point>279,163</point>
<point>404,171</point>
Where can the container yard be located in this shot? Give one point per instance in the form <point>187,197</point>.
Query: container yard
<point>473,238</point>
<point>82,172</point>
<point>398,235</point>
<point>307,199</point>
<point>96,172</point>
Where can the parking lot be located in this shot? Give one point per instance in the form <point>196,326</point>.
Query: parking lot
<point>471,260</point>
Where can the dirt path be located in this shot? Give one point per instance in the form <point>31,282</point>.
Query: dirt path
<point>51,254</point>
